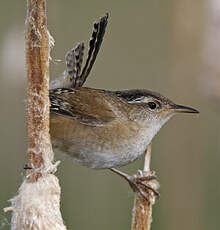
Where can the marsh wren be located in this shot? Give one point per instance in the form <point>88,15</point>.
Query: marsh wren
<point>102,128</point>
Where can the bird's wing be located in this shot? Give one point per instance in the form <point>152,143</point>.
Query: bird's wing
<point>87,106</point>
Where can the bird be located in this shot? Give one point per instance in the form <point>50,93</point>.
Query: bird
<point>101,128</point>
<point>104,129</point>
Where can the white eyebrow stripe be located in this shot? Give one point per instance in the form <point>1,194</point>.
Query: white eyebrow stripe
<point>142,99</point>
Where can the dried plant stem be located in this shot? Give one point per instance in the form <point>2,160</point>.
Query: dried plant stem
<point>37,205</point>
<point>147,158</point>
<point>40,152</point>
<point>142,210</point>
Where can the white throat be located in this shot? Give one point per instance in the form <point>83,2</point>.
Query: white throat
<point>151,130</point>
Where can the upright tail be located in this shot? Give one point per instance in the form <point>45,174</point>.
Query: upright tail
<point>74,57</point>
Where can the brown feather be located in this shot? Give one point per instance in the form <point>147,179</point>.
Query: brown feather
<point>87,106</point>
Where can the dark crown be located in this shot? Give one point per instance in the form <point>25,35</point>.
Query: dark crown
<point>137,95</point>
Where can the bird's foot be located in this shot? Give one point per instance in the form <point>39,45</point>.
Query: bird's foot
<point>143,183</point>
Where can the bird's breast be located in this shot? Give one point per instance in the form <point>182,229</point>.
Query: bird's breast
<point>112,145</point>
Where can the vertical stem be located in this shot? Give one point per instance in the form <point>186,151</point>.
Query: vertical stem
<point>37,61</point>
<point>147,158</point>
<point>142,210</point>
<point>37,204</point>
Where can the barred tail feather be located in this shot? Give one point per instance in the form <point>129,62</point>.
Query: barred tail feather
<point>74,60</point>
<point>94,46</point>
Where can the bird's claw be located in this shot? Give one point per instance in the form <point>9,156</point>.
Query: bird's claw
<point>145,184</point>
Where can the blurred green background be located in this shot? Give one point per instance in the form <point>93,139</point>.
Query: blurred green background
<point>168,46</point>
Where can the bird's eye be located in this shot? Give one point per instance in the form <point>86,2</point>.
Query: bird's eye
<point>152,105</point>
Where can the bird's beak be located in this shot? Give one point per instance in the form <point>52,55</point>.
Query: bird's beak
<point>183,109</point>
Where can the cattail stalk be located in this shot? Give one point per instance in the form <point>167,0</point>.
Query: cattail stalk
<point>37,204</point>
<point>142,209</point>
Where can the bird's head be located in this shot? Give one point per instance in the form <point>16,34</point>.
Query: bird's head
<point>151,107</point>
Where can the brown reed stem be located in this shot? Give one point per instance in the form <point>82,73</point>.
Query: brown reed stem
<point>37,205</point>
<point>142,210</point>
<point>38,47</point>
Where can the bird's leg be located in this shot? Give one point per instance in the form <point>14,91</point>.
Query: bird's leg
<point>144,183</point>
